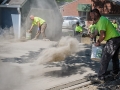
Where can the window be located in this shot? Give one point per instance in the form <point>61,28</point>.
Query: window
<point>83,14</point>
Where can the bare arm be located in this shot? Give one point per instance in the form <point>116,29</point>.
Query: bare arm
<point>95,34</point>
<point>88,30</point>
<point>31,28</point>
<point>117,27</point>
<point>101,37</point>
<point>38,24</point>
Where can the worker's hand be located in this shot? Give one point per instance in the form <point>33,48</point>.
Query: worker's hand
<point>91,35</point>
<point>39,28</point>
<point>29,31</point>
<point>88,33</point>
<point>97,44</point>
<point>80,32</point>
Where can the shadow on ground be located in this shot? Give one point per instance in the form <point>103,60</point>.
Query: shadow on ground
<point>31,56</point>
<point>75,64</point>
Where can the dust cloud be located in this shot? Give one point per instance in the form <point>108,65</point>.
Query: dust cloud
<point>11,77</point>
<point>65,47</point>
<point>6,34</point>
<point>49,11</point>
<point>24,76</point>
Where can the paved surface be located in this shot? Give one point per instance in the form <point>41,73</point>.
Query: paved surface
<point>20,71</point>
<point>24,53</point>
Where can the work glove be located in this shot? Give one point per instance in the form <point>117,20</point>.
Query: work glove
<point>39,28</point>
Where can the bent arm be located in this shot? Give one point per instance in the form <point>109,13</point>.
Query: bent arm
<point>101,37</point>
<point>88,30</point>
<point>116,26</point>
<point>38,23</point>
<point>31,28</point>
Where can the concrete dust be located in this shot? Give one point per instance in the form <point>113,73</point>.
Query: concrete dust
<point>6,34</point>
<point>11,77</point>
<point>65,47</point>
<point>35,75</point>
<point>23,76</point>
<point>15,76</point>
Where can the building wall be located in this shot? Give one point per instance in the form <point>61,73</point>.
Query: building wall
<point>25,9</point>
<point>13,18</point>
<point>10,18</point>
<point>6,20</point>
<point>0,17</point>
<point>70,9</point>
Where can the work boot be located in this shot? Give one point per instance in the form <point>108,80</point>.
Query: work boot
<point>96,79</point>
<point>115,76</point>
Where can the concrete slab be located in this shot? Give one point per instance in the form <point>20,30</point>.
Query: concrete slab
<point>22,73</point>
<point>17,49</point>
<point>44,76</point>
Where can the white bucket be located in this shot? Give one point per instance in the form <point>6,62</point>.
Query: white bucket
<point>96,53</point>
<point>28,35</point>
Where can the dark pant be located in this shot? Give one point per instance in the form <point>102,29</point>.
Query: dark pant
<point>110,51</point>
<point>94,39</point>
<point>77,33</point>
<point>95,34</point>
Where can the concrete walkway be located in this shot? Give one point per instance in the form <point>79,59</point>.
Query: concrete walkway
<point>26,75</point>
<point>20,71</point>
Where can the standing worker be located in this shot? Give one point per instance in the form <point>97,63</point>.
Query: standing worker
<point>41,26</point>
<point>92,31</point>
<point>115,24</point>
<point>111,50</point>
<point>78,30</point>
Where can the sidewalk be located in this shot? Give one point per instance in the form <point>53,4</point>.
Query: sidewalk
<point>42,77</point>
<point>19,71</point>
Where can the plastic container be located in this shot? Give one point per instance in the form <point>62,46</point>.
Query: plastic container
<point>96,53</point>
<point>28,35</point>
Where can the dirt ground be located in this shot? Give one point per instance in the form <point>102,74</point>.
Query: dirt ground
<point>86,40</point>
<point>29,51</point>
